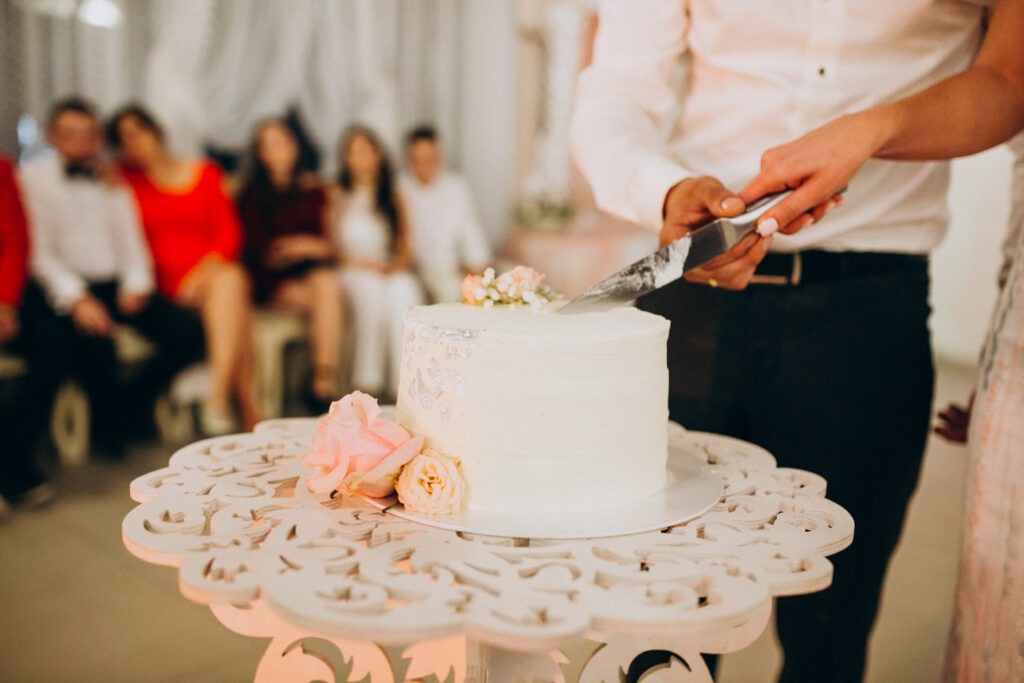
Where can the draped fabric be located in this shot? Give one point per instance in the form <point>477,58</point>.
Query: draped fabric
<point>218,66</point>
<point>211,69</point>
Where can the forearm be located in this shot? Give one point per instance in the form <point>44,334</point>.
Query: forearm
<point>967,113</point>
<point>621,101</point>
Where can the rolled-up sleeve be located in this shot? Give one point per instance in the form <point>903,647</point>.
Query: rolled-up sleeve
<point>621,99</point>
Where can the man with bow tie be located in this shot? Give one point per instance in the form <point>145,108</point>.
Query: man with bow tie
<point>92,269</point>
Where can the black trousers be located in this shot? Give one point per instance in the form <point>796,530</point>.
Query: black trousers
<point>57,350</point>
<point>834,377</point>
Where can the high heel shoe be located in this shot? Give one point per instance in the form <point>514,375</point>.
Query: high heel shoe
<point>215,420</point>
<point>321,390</point>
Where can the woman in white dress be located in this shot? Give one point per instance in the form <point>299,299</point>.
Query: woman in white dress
<point>371,235</point>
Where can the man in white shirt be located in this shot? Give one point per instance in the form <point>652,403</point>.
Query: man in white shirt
<point>447,238</point>
<point>813,344</point>
<point>91,268</point>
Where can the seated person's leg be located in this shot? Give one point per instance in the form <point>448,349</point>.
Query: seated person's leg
<point>221,293</point>
<point>316,294</point>
<point>95,363</point>
<point>365,293</point>
<point>177,334</point>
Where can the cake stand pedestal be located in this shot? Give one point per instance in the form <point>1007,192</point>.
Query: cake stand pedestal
<point>348,593</point>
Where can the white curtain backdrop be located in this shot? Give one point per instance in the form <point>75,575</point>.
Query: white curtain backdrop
<point>210,69</point>
<point>218,66</point>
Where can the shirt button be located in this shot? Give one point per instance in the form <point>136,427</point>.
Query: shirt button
<point>821,71</point>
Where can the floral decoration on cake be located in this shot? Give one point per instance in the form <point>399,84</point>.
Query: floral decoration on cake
<point>355,451</point>
<point>521,286</point>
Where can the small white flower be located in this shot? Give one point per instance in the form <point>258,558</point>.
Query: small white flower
<point>536,305</point>
<point>493,293</point>
<point>513,291</point>
<point>529,296</point>
<point>480,293</point>
<point>489,276</point>
<point>489,303</point>
<point>502,286</point>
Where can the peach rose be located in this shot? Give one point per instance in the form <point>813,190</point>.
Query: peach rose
<point>525,277</point>
<point>432,484</point>
<point>473,290</point>
<point>353,439</point>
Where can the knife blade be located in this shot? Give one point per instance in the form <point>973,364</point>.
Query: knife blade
<point>706,243</point>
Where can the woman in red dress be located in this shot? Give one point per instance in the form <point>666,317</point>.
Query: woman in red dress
<point>287,250</point>
<point>195,238</point>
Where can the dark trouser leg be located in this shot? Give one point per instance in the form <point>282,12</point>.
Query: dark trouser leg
<point>835,378</point>
<point>177,334</point>
<point>705,358</point>
<point>852,384</point>
<point>95,364</point>
<point>46,343</point>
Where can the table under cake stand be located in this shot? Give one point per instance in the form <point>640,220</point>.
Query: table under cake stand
<point>349,593</point>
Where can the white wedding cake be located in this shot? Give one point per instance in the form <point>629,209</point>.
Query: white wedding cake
<point>545,411</point>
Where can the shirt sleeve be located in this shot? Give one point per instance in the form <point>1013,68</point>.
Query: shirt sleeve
<point>134,263</point>
<point>226,228</point>
<point>13,238</point>
<point>621,99</point>
<point>475,250</point>
<point>62,285</point>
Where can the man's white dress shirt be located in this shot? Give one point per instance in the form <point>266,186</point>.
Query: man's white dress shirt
<point>762,74</point>
<point>445,231</point>
<point>83,231</point>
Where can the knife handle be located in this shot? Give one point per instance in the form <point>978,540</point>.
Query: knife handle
<point>759,207</point>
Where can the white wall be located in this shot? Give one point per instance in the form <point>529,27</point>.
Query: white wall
<point>965,266</point>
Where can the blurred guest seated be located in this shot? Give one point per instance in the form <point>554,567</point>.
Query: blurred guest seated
<point>195,238</point>
<point>446,236</point>
<point>21,479</point>
<point>371,235</point>
<point>93,269</point>
<point>287,250</point>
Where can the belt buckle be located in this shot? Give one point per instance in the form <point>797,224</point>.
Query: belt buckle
<point>793,279</point>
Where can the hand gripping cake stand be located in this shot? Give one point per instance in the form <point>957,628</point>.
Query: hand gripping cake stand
<point>350,593</point>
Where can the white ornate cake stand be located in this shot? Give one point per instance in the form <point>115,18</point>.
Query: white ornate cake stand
<point>348,593</point>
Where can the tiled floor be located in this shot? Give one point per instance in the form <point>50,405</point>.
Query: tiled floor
<point>76,606</point>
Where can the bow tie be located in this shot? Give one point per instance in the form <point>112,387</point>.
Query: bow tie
<point>77,170</point>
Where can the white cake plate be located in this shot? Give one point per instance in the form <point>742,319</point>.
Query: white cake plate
<point>693,489</point>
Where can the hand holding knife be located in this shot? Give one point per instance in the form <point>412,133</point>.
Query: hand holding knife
<point>700,247</point>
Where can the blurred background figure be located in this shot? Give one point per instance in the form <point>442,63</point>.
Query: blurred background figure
<point>195,238</point>
<point>92,269</point>
<point>445,233</point>
<point>22,415</point>
<point>287,249</point>
<point>373,239</point>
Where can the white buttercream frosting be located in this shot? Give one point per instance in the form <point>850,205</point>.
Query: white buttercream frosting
<point>544,410</point>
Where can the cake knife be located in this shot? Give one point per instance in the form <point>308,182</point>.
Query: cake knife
<point>706,243</point>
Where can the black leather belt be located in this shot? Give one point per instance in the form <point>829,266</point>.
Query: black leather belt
<point>784,270</point>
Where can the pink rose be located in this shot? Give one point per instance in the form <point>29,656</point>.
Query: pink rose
<point>472,286</point>
<point>352,439</point>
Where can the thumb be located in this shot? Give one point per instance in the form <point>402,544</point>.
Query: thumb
<point>719,200</point>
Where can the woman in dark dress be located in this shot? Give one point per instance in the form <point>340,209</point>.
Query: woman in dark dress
<point>286,250</point>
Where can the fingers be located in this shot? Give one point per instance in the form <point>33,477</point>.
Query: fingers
<point>734,274</point>
<point>694,201</point>
<point>954,423</point>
